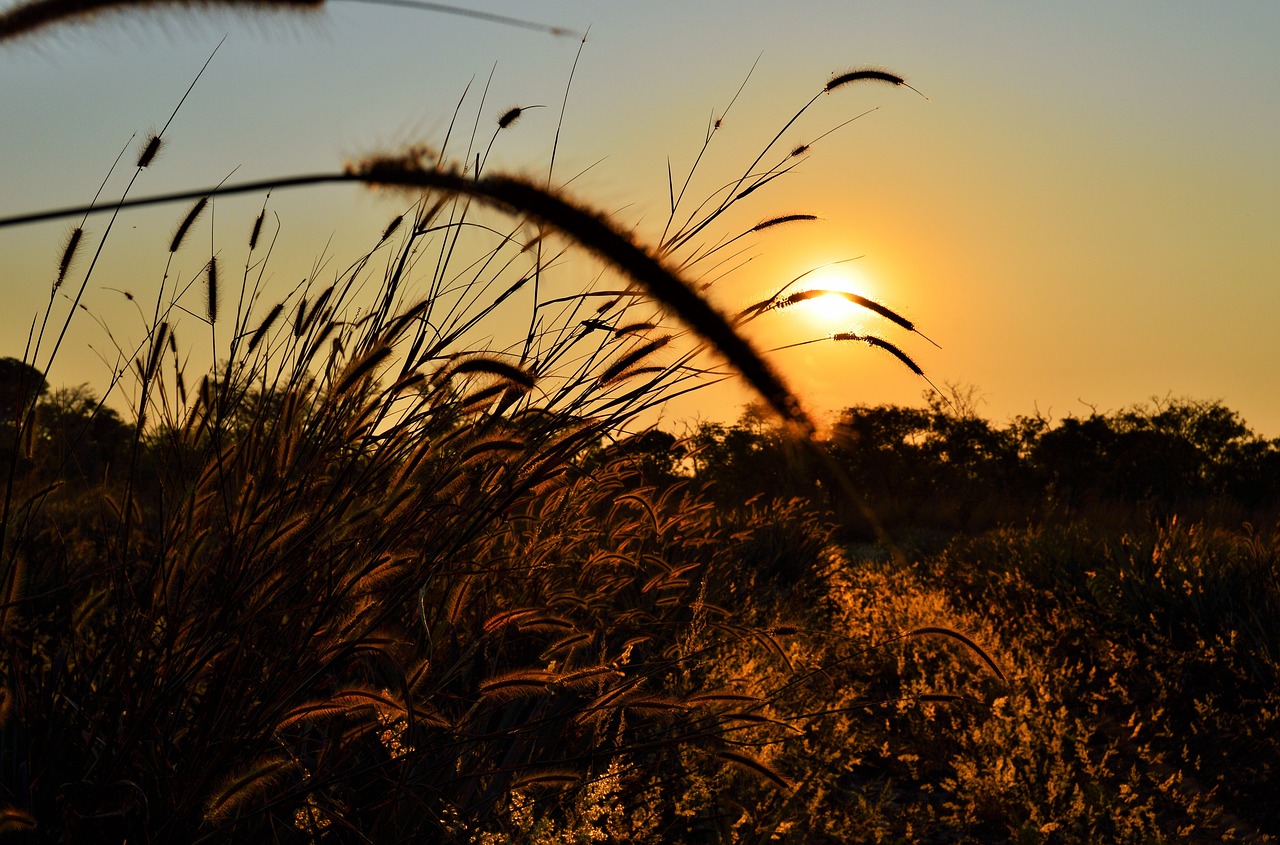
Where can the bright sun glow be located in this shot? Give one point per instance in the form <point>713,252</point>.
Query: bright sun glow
<point>832,312</point>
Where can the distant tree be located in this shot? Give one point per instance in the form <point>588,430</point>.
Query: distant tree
<point>884,451</point>
<point>752,458</point>
<point>941,466</point>
<point>1209,426</point>
<point>1074,458</point>
<point>21,385</point>
<point>1250,474</point>
<point>653,454</point>
<point>79,436</point>
<point>944,468</point>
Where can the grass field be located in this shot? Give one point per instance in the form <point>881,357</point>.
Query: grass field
<point>402,565</point>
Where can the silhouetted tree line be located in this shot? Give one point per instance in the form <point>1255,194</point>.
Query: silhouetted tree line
<point>941,466</point>
<point>944,467</point>
<point>65,434</point>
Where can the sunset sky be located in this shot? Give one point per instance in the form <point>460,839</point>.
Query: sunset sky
<point>1084,213</point>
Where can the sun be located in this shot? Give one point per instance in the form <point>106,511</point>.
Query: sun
<point>832,311</point>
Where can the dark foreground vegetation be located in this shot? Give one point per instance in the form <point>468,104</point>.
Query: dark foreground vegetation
<point>665,639</point>
<point>389,570</point>
<point>1123,567</point>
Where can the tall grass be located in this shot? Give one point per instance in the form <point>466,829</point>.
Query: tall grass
<point>377,574</point>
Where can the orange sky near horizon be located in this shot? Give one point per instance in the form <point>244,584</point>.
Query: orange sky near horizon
<point>1084,213</point>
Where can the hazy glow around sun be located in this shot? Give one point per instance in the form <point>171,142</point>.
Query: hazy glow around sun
<point>832,313</point>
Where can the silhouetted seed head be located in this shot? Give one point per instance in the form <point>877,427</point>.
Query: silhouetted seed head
<point>895,352</point>
<point>510,116</point>
<point>265,327</point>
<point>800,150</point>
<point>628,360</point>
<point>508,372</point>
<point>392,167</point>
<point>68,255</point>
<point>317,309</point>
<point>149,150</point>
<point>23,18</point>
<point>185,225</point>
<point>869,304</point>
<point>322,335</point>
<point>870,74</point>
<point>486,447</point>
<point>361,368</point>
<point>634,328</point>
<point>860,74</point>
<point>798,297</point>
<point>162,338</point>
<point>257,230</point>
<point>786,218</point>
<point>299,319</point>
<point>482,397</point>
<point>211,290</point>
<point>391,227</point>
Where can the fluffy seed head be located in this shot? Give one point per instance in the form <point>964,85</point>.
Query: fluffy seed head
<point>149,150</point>
<point>361,367</point>
<point>247,785</point>
<point>867,73</point>
<point>778,221</point>
<point>186,224</point>
<point>510,116</point>
<point>391,227</point>
<point>873,74</point>
<point>895,352</point>
<point>491,366</point>
<point>257,230</point>
<point>265,327</point>
<point>24,18</point>
<point>68,255</point>
<point>211,290</point>
<point>628,360</point>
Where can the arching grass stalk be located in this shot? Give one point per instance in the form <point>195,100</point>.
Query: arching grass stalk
<point>25,19</point>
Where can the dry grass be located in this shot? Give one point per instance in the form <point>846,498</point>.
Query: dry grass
<point>379,573</point>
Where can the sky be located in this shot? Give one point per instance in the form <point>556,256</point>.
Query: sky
<point>1083,214</point>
